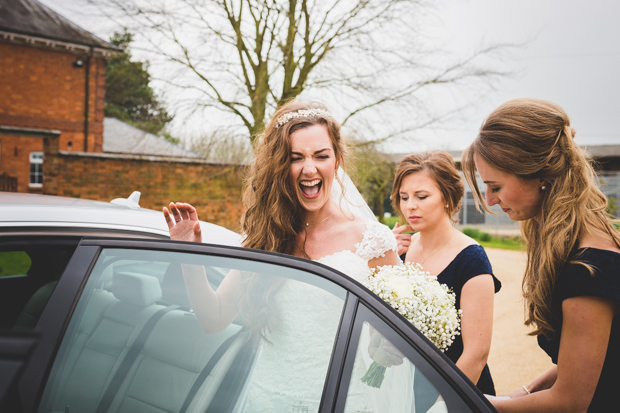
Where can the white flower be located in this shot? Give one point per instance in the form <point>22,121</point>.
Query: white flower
<point>428,305</point>
<point>400,286</point>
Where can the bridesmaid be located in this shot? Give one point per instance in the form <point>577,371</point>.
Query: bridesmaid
<point>427,192</point>
<point>535,172</point>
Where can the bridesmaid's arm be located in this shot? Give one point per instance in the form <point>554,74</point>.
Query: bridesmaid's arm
<point>542,382</point>
<point>586,328</point>
<point>476,325</point>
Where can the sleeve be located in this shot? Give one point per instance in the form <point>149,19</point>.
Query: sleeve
<point>376,241</point>
<point>576,279</point>
<point>478,263</point>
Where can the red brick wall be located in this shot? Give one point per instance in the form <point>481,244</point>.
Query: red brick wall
<point>215,190</point>
<point>15,159</point>
<point>40,88</point>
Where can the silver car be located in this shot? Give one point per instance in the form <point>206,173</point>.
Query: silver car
<point>95,317</point>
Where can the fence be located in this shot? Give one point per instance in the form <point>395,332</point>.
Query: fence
<point>8,183</point>
<point>497,223</point>
<point>610,185</point>
<point>469,216</point>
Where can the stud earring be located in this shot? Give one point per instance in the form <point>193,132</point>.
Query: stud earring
<point>543,187</point>
<point>446,205</point>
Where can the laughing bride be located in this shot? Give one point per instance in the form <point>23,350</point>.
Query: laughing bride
<point>295,204</point>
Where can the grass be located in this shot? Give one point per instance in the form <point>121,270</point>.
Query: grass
<point>504,243</point>
<point>484,238</point>
<point>487,241</point>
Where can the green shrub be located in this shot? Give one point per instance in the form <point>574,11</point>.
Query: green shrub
<point>485,237</point>
<point>471,232</point>
<point>392,220</point>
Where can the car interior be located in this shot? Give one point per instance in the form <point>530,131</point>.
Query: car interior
<point>29,271</point>
<point>138,347</point>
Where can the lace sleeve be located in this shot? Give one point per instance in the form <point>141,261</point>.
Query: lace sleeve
<point>376,241</point>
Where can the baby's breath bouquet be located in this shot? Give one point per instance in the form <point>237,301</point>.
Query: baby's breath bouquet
<point>419,297</point>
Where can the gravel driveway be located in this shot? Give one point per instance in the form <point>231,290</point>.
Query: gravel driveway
<point>515,358</point>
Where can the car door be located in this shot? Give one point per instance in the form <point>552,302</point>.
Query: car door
<point>119,335</point>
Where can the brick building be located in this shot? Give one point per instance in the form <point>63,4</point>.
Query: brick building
<point>52,83</point>
<point>55,140</point>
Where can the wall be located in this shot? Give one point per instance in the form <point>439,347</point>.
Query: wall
<point>15,158</point>
<point>41,88</point>
<point>215,190</point>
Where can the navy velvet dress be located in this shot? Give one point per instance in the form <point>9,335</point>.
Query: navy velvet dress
<point>573,281</point>
<point>469,263</point>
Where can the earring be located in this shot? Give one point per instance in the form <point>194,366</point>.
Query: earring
<point>543,187</point>
<point>446,205</point>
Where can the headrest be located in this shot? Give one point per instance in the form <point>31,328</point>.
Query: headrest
<point>136,289</point>
<point>173,287</point>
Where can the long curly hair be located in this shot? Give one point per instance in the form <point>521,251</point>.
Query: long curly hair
<point>273,215</point>
<point>533,139</point>
<point>441,167</point>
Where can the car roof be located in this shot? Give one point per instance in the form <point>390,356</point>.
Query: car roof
<point>32,212</point>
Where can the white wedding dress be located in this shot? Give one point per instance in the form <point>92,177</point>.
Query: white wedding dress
<point>289,373</point>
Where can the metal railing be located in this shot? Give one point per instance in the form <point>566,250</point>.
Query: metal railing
<point>8,183</point>
<point>609,183</point>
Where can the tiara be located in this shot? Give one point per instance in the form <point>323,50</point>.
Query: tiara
<point>302,113</point>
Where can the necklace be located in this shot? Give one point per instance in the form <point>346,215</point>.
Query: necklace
<point>437,250</point>
<point>316,223</point>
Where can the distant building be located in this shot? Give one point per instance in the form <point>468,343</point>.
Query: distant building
<point>121,138</point>
<point>55,140</point>
<point>52,83</point>
<point>606,161</point>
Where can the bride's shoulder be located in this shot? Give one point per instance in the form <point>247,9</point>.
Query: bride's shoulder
<point>377,239</point>
<point>366,227</point>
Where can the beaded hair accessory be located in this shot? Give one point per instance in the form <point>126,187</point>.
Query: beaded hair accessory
<point>302,113</point>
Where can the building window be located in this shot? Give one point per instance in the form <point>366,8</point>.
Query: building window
<point>36,169</point>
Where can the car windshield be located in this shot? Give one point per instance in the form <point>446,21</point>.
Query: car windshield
<point>135,344</point>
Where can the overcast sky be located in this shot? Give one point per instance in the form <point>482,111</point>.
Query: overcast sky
<point>572,57</point>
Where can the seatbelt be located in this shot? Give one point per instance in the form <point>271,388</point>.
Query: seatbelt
<point>207,370</point>
<point>128,360</point>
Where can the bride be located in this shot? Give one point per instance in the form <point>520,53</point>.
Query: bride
<point>295,204</point>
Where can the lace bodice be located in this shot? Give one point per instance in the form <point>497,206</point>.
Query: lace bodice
<point>288,371</point>
<point>377,239</point>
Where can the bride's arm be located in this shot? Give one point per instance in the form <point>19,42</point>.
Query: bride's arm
<point>389,258</point>
<point>215,310</point>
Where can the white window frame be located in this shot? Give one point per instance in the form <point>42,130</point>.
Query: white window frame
<point>36,158</point>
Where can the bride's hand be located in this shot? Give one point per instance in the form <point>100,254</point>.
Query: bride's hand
<point>183,224</point>
<point>382,351</point>
<point>394,356</point>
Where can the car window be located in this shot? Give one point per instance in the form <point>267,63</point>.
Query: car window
<point>29,270</point>
<point>383,373</point>
<point>134,342</point>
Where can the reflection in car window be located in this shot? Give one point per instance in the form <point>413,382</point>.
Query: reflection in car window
<point>29,271</point>
<point>410,383</point>
<point>134,343</point>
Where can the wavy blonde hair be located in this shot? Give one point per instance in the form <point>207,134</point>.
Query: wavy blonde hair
<point>533,139</point>
<point>273,215</point>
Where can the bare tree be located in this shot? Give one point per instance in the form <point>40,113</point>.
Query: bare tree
<point>222,146</point>
<point>247,57</point>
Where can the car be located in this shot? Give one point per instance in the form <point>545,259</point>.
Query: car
<point>95,317</point>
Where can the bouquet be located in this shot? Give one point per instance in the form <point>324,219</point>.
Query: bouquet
<point>419,297</point>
